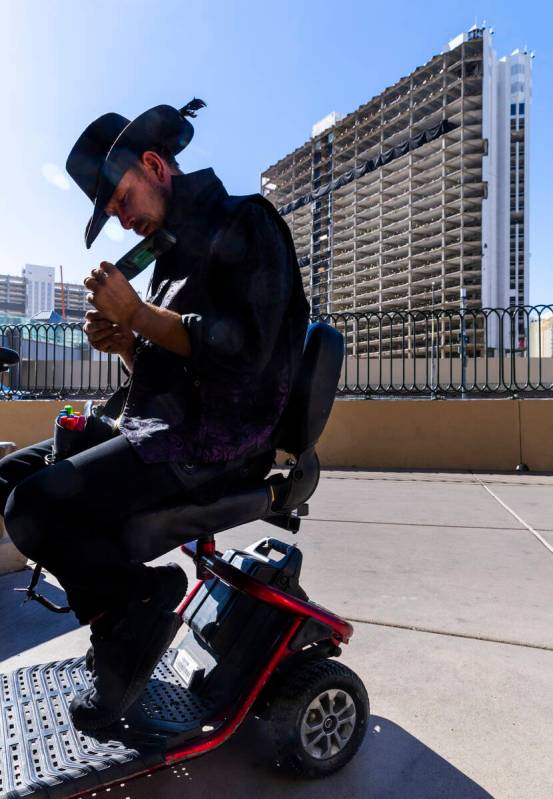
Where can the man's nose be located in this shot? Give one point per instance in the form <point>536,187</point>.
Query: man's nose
<point>126,221</point>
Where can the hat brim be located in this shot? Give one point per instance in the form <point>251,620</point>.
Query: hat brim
<point>162,125</point>
<point>113,170</point>
<point>94,227</point>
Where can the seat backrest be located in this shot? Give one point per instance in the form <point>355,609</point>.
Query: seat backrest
<point>8,358</point>
<point>313,392</point>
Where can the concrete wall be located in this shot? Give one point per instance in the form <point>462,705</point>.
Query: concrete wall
<point>386,434</point>
<point>484,435</point>
<point>28,421</point>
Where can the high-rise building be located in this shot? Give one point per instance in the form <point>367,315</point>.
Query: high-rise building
<point>420,192</point>
<point>40,288</point>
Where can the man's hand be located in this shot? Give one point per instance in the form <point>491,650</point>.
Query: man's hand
<point>112,295</point>
<point>107,336</point>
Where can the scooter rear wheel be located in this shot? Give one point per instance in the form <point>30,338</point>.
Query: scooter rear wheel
<point>319,718</point>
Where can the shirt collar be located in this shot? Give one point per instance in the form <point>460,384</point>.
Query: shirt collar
<point>193,194</point>
<point>194,197</point>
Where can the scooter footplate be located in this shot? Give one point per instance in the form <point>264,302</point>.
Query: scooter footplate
<point>43,756</point>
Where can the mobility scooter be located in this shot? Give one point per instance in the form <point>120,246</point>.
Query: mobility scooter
<point>255,644</point>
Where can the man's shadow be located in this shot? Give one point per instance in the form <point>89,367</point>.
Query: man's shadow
<point>23,627</point>
<point>399,766</point>
<point>391,764</point>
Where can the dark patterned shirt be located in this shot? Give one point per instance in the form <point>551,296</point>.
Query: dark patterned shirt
<point>234,279</point>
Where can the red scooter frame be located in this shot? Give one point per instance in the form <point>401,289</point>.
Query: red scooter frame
<point>210,564</point>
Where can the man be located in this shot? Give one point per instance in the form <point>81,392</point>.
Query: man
<point>210,356</point>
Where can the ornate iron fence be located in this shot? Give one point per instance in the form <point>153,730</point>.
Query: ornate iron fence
<point>447,352</point>
<point>440,352</point>
<point>56,361</point>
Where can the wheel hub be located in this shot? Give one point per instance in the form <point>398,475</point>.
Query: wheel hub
<point>328,724</point>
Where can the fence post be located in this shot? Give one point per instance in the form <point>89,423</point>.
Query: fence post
<point>434,373</point>
<point>463,342</point>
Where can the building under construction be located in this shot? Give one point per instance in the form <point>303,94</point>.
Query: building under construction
<point>420,192</point>
<point>23,297</point>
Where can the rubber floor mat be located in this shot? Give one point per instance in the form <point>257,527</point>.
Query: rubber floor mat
<point>43,756</point>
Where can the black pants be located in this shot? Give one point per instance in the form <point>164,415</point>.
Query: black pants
<point>66,516</point>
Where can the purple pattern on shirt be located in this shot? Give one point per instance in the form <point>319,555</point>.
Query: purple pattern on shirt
<point>159,439</point>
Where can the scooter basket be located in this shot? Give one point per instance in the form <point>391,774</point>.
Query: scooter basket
<point>70,442</point>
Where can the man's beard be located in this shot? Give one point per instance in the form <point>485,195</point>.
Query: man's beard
<point>159,199</point>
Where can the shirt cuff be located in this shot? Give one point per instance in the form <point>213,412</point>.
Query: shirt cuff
<point>193,324</point>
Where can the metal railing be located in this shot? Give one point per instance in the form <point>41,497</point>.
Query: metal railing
<point>56,361</point>
<point>447,352</point>
<point>434,353</point>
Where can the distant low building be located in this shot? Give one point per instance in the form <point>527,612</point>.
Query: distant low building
<point>12,296</point>
<point>35,292</point>
<point>46,318</point>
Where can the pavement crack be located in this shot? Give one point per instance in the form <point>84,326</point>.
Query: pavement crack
<point>412,524</point>
<point>448,633</point>
<point>515,515</point>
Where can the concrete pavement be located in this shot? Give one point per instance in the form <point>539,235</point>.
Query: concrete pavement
<point>462,704</point>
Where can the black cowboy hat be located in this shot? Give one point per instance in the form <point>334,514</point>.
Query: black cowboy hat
<point>112,144</point>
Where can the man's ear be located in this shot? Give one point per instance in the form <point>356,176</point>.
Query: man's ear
<point>155,166</point>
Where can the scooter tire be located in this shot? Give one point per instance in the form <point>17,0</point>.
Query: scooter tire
<point>297,718</point>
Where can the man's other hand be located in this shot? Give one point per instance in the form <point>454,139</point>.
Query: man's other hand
<point>112,294</point>
<point>107,336</point>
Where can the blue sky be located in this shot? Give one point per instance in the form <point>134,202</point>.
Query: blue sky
<point>267,70</point>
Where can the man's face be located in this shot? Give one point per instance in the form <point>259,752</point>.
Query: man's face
<point>141,199</point>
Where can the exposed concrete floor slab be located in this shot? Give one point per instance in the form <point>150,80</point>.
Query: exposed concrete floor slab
<point>405,475</point>
<point>534,503</point>
<point>453,717</point>
<point>522,478</point>
<point>426,475</point>
<point>547,536</point>
<point>27,625</point>
<point>481,582</point>
<point>424,502</point>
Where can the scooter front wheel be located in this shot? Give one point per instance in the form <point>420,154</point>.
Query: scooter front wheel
<point>319,718</point>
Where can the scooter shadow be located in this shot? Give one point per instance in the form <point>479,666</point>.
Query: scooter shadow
<point>21,627</point>
<point>391,764</point>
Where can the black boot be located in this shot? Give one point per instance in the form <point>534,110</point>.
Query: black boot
<point>171,587</point>
<point>126,651</point>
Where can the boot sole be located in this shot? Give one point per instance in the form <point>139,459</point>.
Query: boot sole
<point>161,641</point>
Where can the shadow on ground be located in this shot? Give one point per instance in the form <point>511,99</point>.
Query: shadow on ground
<point>402,767</point>
<point>23,627</point>
<point>391,764</point>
